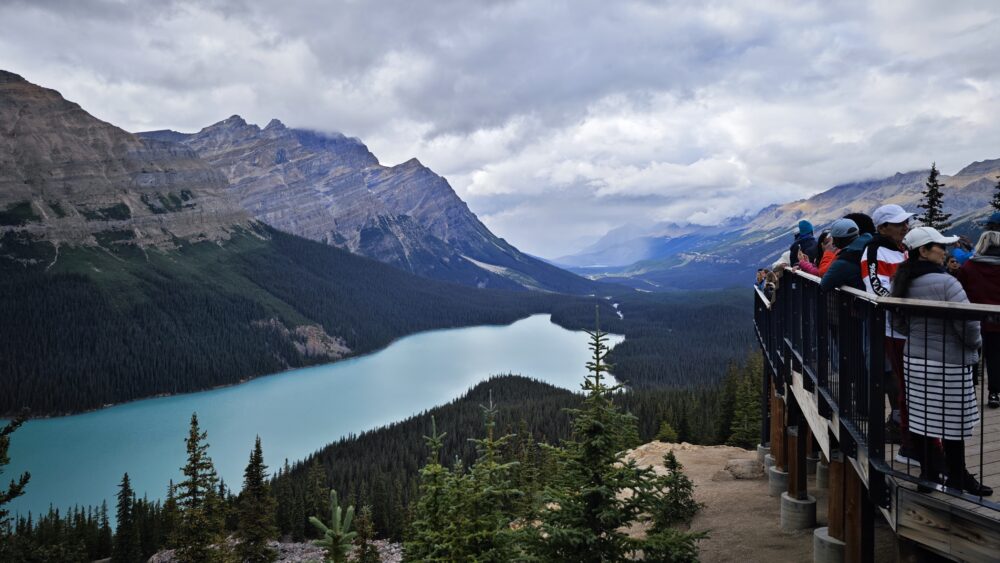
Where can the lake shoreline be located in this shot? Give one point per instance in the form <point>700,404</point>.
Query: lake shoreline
<point>4,418</point>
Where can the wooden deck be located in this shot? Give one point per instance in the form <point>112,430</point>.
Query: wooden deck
<point>985,443</point>
<point>955,527</point>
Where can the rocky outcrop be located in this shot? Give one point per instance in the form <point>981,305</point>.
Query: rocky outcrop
<point>67,177</point>
<point>331,188</point>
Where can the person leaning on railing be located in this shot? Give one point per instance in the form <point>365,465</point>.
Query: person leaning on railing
<point>937,361</point>
<point>980,276</point>
<point>846,269</point>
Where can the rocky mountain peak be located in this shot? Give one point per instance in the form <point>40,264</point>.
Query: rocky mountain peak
<point>67,177</point>
<point>330,188</point>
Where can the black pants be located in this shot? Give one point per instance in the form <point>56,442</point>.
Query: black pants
<point>991,359</point>
<point>952,464</point>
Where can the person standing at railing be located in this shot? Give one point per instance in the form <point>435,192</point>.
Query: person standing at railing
<point>846,269</point>
<point>804,241</point>
<point>951,264</point>
<point>879,262</point>
<point>980,276</point>
<point>937,361</point>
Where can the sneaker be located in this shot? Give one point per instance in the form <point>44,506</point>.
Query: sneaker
<point>970,485</point>
<point>994,401</point>
<point>906,455</point>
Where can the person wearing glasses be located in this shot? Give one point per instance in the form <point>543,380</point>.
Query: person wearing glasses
<point>938,359</point>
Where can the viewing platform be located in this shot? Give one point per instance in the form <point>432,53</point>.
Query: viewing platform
<point>822,407</point>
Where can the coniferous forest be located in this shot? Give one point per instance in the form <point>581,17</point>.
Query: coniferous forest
<point>108,325</point>
<point>81,337</point>
<point>385,471</point>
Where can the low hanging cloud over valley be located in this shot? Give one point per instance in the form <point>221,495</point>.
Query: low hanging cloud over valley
<point>555,121</point>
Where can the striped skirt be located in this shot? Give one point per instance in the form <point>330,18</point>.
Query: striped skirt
<point>940,398</point>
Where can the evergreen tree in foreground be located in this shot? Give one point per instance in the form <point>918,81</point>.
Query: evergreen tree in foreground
<point>588,508</point>
<point>337,537</point>
<point>367,552</point>
<point>126,544</point>
<point>426,537</point>
<point>932,203</point>
<point>256,512</point>
<point>485,502</point>
<point>16,487</point>
<point>199,524</point>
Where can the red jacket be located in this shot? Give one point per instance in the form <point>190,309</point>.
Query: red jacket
<point>828,257</point>
<point>980,277</point>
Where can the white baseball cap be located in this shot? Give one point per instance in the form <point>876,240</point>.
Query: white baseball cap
<point>890,213</point>
<point>921,236</point>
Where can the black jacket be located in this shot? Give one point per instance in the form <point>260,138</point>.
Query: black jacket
<point>806,244</point>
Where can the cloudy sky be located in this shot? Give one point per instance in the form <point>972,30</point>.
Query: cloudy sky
<point>555,121</point>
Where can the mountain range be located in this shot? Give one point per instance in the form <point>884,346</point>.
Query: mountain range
<point>668,256</point>
<point>130,266</point>
<point>331,188</point>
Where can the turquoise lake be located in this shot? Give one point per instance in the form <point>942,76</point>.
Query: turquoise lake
<point>80,459</point>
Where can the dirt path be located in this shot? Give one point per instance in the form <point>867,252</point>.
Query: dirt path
<point>742,521</point>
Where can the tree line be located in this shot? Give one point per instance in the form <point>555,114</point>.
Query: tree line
<point>468,488</point>
<point>388,472</point>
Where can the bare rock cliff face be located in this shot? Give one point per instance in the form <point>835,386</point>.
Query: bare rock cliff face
<point>330,188</point>
<point>66,176</point>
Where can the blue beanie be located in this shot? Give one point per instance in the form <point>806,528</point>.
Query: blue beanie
<point>805,228</point>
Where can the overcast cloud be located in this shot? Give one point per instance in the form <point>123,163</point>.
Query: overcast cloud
<point>555,121</point>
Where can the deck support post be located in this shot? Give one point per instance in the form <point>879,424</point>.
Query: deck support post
<point>859,519</point>
<point>798,509</point>
<point>828,542</point>
<point>777,475</point>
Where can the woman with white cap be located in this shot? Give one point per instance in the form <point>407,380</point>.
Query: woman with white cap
<point>937,360</point>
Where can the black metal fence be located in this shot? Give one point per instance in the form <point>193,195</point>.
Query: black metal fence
<point>898,374</point>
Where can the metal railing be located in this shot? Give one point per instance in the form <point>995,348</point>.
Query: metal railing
<point>838,341</point>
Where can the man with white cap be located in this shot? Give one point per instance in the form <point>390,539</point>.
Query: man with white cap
<point>879,262</point>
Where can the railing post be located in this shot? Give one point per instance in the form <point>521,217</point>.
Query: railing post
<point>877,488</point>
<point>848,341</point>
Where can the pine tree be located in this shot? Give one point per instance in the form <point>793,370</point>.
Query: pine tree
<point>337,537</point>
<point>666,433</point>
<point>995,202</point>
<point>365,548</point>
<point>16,487</point>
<point>256,512</point>
<point>431,517</point>
<point>676,505</point>
<point>587,509</point>
<point>745,425</point>
<point>198,525</point>
<point>932,204</point>
<point>104,538</point>
<point>485,500</point>
<point>170,517</point>
<point>317,492</point>
<point>126,544</point>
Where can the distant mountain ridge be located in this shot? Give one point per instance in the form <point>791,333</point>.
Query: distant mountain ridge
<point>726,256</point>
<point>331,188</point>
